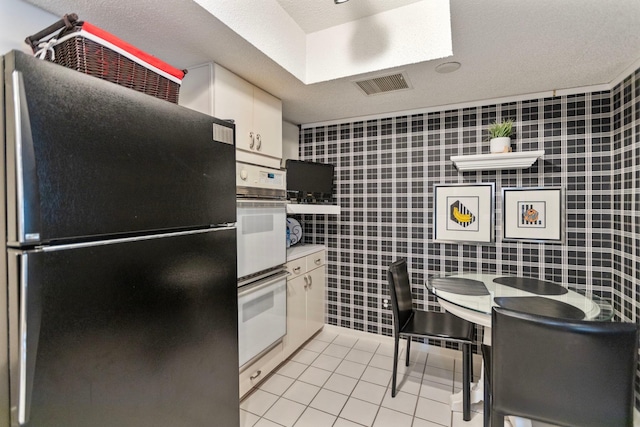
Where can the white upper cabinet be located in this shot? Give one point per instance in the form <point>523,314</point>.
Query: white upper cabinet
<point>196,90</point>
<point>214,90</point>
<point>267,124</point>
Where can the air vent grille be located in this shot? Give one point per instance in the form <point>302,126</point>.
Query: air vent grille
<point>383,84</point>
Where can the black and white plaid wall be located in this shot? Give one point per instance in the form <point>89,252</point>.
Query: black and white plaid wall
<point>386,169</point>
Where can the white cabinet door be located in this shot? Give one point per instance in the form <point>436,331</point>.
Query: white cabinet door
<point>296,315</point>
<point>267,123</point>
<point>234,100</point>
<point>315,300</point>
<point>305,300</point>
<point>196,90</point>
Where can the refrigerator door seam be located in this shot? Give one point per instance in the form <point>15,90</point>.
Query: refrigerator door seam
<point>94,243</point>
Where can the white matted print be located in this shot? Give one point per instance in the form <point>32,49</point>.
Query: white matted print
<point>533,214</point>
<point>463,213</point>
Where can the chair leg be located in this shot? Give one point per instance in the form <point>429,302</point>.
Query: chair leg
<point>487,401</point>
<point>497,420</point>
<point>466,382</point>
<point>395,365</point>
<point>408,349</point>
<point>471,364</point>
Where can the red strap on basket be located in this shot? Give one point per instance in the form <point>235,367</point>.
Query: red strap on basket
<point>142,55</point>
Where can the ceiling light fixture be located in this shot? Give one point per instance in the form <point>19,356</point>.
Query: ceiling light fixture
<point>340,1</point>
<point>447,67</point>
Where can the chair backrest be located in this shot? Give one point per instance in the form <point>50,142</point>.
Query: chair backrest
<point>575,373</point>
<point>400,290</point>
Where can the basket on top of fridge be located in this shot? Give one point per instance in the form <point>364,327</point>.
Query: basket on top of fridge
<point>91,50</point>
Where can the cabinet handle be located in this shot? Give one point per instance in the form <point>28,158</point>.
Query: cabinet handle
<point>306,281</point>
<point>310,280</point>
<point>256,375</point>
<point>296,270</point>
<point>319,261</point>
<point>252,140</point>
<point>259,145</point>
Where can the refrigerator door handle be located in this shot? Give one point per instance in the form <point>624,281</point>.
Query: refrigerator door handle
<point>24,332</point>
<point>23,191</point>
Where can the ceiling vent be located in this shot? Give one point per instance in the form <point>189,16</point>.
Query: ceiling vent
<point>384,84</point>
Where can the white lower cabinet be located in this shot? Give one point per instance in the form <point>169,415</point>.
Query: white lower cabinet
<point>305,300</point>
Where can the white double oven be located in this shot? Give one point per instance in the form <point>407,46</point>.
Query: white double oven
<point>262,279</point>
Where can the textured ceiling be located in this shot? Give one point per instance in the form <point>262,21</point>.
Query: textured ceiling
<point>506,48</point>
<point>322,14</point>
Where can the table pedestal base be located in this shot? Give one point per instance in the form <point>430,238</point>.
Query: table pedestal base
<point>477,395</point>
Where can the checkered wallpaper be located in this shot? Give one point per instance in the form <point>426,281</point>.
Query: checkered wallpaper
<point>386,169</point>
<point>625,197</point>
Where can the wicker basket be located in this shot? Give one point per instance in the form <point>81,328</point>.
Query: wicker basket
<point>90,50</point>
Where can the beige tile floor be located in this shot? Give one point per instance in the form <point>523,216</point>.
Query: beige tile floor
<point>342,378</point>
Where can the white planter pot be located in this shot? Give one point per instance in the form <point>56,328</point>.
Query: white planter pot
<point>500,145</point>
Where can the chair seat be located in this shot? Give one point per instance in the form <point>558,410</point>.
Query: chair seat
<point>409,322</point>
<point>444,326</point>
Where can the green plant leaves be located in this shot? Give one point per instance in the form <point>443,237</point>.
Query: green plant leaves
<point>502,129</point>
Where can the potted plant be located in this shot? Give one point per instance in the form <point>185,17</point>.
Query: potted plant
<point>500,136</point>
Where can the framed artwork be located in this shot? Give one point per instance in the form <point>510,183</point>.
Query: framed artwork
<point>533,214</point>
<point>463,213</point>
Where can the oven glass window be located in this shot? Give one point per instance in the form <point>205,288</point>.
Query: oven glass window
<point>252,224</point>
<point>257,306</point>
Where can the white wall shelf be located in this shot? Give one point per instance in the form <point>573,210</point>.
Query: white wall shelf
<point>308,208</point>
<point>483,162</point>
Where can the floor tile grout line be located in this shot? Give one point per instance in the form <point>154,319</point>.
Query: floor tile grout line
<point>350,395</point>
<point>358,379</point>
<point>281,396</point>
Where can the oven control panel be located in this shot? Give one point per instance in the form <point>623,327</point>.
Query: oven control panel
<point>254,179</point>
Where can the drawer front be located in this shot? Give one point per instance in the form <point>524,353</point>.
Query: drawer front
<point>316,260</point>
<point>297,267</point>
<point>252,375</point>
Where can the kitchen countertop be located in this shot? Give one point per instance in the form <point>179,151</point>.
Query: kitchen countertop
<point>302,250</point>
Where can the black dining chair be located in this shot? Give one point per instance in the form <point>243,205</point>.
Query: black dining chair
<point>562,372</point>
<point>409,322</point>
<point>486,366</point>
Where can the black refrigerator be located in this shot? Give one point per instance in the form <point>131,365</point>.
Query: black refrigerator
<point>120,304</point>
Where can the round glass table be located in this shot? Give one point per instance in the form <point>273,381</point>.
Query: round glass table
<point>471,296</point>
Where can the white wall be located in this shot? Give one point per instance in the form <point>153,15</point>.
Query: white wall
<point>18,20</point>
<point>290,142</point>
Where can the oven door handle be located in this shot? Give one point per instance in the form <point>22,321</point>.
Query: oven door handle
<point>275,202</point>
<point>244,290</point>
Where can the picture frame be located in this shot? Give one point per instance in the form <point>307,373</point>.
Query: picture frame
<point>464,213</point>
<point>534,214</point>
